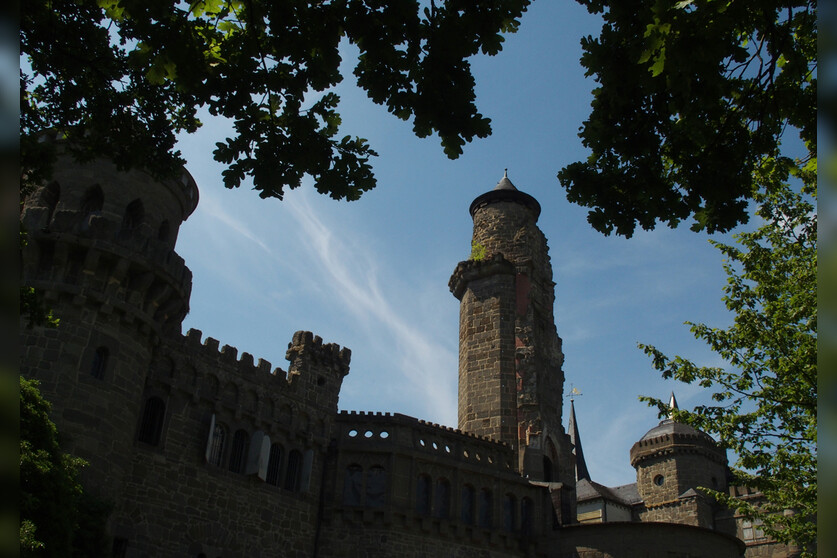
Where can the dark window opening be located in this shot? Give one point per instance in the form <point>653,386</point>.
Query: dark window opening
<point>509,513</point>
<point>423,495</point>
<point>119,548</point>
<point>467,505</point>
<point>216,449</point>
<point>353,485</point>
<point>376,487</point>
<point>293,472</point>
<point>547,469</point>
<point>486,509</point>
<point>526,516</point>
<point>274,464</point>
<point>134,214</point>
<point>100,362</point>
<point>164,231</point>
<point>441,507</point>
<point>239,451</point>
<point>151,427</point>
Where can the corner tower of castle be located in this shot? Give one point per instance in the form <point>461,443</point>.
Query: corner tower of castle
<point>510,377</point>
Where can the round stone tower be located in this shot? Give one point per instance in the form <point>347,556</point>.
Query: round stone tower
<point>510,377</point>
<point>100,247</point>
<point>673,458</point>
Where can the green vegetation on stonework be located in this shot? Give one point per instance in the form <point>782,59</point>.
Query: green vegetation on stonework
<point>696,101</point>
<point>477,251</point>
<point>765,401</point>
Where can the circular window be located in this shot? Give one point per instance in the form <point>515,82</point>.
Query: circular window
<point>659,480</point>
<point>352,433</point>
<point>384,434</point>
<point>368,434</point>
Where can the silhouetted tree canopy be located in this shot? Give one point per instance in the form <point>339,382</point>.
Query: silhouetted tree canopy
<point>695,101</point>
<point>120,78</point>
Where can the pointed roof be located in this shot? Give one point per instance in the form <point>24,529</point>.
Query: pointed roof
<point>672,405</point>
<point>580,465</point>
<point>506,191</point>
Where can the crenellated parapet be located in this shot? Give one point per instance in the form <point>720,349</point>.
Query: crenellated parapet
<point>308,350</point>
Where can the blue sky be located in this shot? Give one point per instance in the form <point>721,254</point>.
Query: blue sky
<point>372,275</point>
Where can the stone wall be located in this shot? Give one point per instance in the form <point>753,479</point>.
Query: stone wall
<point>183,497</point>
<point>403,487</point>
<point>646,540</point>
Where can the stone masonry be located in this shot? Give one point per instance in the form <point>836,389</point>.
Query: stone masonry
<point>206,453</point>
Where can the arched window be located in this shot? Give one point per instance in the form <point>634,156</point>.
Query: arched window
<point>238,454</point>
<point>526,517</point>
<point>353,485</point>
<point>100,363</point>
<point>274,464</point>
<point>48,197</point>
<point>441,500</point>
<point>216,444</point>
<point>509,513</point>
<point>151,426</point>
<point>134,214</point>
<point>467,504</point>
<point>376,487</point>
<point>423,495</point>
<point>294,468</point>
<point>93,201</point>
<point>486,509</point>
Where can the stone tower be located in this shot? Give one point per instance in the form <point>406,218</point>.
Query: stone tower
<point>101,249</point>
<point>671,461</point>
<point>510,377</point>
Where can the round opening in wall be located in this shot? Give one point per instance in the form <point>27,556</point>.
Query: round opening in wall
<point>368,434</point>
<point>435,445</point>
<point>384,434</point>
<point>352,433</point>
<point>659,480</point>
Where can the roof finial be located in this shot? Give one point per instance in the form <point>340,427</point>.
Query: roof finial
<point>574,392</point>
<point>505,173</point>
<point>672,405</point>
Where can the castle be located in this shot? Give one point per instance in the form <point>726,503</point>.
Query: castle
<point>206,453</point>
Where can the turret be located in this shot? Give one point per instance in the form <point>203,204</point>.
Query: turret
<point>510,377</point>
<point>672,460</point>
<point>101,250</point>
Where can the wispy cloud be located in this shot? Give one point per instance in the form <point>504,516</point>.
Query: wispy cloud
<point>352,273</point>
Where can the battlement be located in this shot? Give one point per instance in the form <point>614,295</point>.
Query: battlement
<point>308,349</point>
<point>245,365</point>
<point>469,270</point>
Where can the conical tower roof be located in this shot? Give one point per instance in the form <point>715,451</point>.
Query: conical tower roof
<point>505,191</point>
<point>580,465</point>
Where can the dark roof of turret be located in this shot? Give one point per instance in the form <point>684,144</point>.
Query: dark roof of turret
<point>668,426</point>
<point>505,191</point>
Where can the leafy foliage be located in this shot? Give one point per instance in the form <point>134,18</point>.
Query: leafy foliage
<point>56,517</point>
<point>765,403</point>
<point>120,78</point>
<point>694,99</point>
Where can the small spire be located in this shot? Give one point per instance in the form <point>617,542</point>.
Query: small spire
<point>505,183</point>
<point>580,465</point>
<point>672,405</point>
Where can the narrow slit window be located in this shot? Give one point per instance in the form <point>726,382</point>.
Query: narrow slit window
<point>100,363</point>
